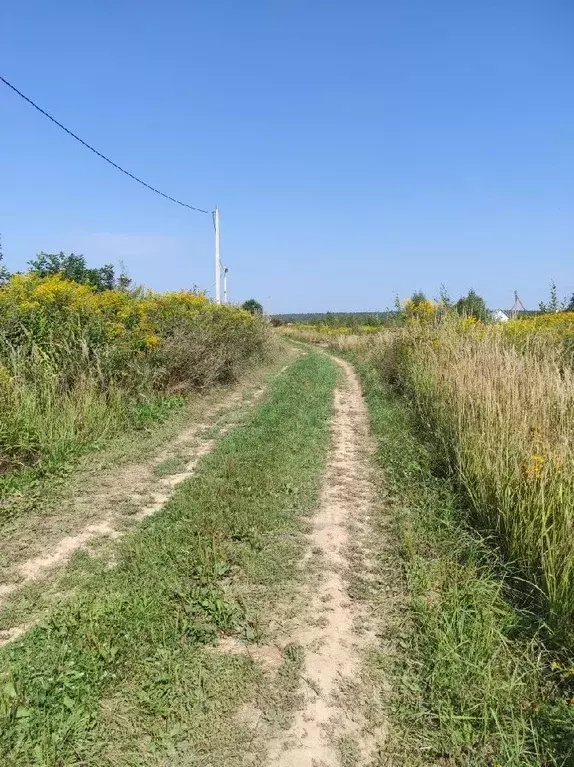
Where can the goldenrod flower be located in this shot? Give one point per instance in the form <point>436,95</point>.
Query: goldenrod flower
<point>535,466</point>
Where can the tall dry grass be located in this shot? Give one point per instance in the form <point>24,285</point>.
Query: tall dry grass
<point>499,404</point>
<point>339,339</point>
<point>504,419</point>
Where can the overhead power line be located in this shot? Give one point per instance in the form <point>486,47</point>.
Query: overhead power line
<point>99,154</point>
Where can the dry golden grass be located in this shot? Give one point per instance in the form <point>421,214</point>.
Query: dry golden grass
<point>503,414</point>
<point>504,418</point>
<point>335,340</point>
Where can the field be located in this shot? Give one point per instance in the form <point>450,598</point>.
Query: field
<point>329,543</point>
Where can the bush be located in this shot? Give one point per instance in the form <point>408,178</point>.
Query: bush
<point>472,305</point>
<point>209,347</point>
<point>73,357</point>
<point>252,306</point>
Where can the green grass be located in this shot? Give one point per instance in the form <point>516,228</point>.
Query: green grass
<point>69,429</point>
<point>172,465</point>
<point>72,503</point>
<point>472,683</point>
<point>122,673</point>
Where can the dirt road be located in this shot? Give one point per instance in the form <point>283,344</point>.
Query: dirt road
<point>275,625</point>
<point>101,505</point>
<point>332,728</point>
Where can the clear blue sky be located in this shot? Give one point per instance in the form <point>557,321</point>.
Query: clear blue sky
<point>355,149</point>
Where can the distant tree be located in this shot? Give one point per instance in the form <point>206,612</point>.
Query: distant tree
<point>124,281</point>
<point>398,307</point>
<point>252,306</point>
<point>444,299</point>
<point>4,273</point>
<point>418,298</point>
<point>472,305</point>
<point>554,304</point>
<point>73,266</point>
<point>443,303</point>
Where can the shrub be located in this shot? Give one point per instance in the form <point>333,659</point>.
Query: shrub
<point>72,358</point>
<point>420,308</point>
<point>252,306</point>
<point>472,305</point>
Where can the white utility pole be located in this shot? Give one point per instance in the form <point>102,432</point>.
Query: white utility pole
<point>225,270</point>
<point>217,260</point>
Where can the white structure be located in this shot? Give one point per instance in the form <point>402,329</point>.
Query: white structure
<point>217,259</point>
<point>499,316</point>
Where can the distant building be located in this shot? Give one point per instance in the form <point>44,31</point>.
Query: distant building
<point>500,316</point>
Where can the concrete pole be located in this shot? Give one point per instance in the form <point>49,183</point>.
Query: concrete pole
<point>217,259</point>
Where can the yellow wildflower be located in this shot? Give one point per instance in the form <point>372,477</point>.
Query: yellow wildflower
<point>535,466</point>
<point>153,341</point>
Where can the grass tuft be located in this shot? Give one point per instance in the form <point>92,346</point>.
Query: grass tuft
<point>172,465</point>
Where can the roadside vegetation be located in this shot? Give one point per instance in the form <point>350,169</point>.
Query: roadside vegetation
<point>475,423</point>
<point>84,357</point>
<point>502,419</point>
<point>127,671</point>
<point>112,489</point>
<point>336,319</point>
<point>474,680</point>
